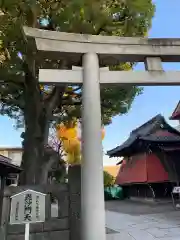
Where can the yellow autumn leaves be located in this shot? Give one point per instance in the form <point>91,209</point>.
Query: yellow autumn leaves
<point>69,135</point>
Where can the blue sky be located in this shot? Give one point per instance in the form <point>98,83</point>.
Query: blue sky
<point>154,100</point>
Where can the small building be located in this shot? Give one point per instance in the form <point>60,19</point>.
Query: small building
<point>8,171</point>
<point>13,153</point>
<point>151,165</point>
<point>14,156</point>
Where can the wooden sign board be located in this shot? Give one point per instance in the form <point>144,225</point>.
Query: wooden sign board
<point>27,207</point>
<point>176,190</point>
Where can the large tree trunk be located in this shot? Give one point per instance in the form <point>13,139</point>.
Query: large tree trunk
<point>33,146</point>
<point>36,162</point>
<point>35,131</point>
<point>33,156</point>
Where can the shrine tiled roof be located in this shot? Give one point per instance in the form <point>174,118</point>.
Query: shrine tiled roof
<point>162,139</point>
<point>149,126</point>
<point>176,113</point>
<point>151,133</point>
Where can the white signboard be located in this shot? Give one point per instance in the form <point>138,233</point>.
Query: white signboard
<point>27,207</point>
<point>176,190</point>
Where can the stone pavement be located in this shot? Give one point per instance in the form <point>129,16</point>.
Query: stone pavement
<point>146,222</point>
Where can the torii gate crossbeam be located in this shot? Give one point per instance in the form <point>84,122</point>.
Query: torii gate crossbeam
<point>140,78</point>
<point>93,52</point>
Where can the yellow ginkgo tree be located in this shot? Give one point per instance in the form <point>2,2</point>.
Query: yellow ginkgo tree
<point>67,133</point>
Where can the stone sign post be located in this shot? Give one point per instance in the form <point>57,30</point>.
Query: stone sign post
<point>27,207</point>
<point>92,52</point>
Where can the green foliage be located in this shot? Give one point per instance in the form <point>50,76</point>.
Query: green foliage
<point>79,16</point>
<point>108,179</point>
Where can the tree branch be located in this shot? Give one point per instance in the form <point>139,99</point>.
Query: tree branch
<point>72,103</point>
<point>54,99</point>
<point>11,102</point>
<point>34,15</point>
<point>56,96</point>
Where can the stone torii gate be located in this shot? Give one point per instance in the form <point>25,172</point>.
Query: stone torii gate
<point>93,52</point>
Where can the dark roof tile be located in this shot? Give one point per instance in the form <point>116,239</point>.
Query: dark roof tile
<point>6,162</point>
<point>147,132</point>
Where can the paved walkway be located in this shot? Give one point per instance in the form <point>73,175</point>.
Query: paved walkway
<point>134,221</point>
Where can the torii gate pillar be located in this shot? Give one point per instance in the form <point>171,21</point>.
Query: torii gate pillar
<point>92,184</point>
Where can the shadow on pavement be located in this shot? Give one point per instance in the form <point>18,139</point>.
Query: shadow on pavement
<point>138,208</point>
